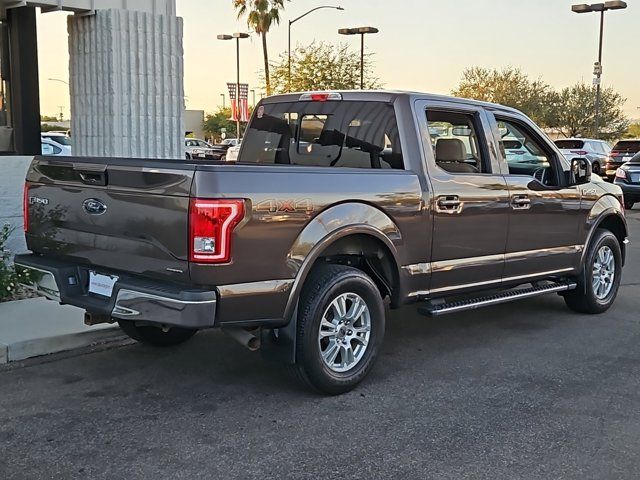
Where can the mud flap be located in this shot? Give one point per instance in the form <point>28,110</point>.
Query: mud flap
<point>279,344</point>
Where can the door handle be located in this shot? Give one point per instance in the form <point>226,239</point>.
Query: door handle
<point>449,204</point>
<point>520,202</point>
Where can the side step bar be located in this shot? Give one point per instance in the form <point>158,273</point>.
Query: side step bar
<point>433,310</point>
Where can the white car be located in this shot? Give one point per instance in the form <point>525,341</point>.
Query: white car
<point>232,153</point>
<point>60,143</point>
<point>596,151</point>
<point>49,147</point>
<point>231,142</point>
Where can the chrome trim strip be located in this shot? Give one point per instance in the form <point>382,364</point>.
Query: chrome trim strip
<point>507,279</point>
<point>541,252</point>
<point>446,265</point>
<point>418,268</point>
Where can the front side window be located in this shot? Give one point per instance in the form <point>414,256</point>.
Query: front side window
<point>455,142</point>
<point>351,134</point>
<point>531,158</point>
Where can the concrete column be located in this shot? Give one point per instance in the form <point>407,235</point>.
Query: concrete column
<point>127,91</point>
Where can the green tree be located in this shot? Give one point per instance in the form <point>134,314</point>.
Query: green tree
<point>214,123</point>
<point>511,87</point>
<point>322,66</point>
<point>575,113</point>
<point>261,14</point>
<point>48,118</point>
<point>633,131</point>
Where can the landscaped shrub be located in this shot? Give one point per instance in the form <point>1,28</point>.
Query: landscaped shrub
<point>9,286</point>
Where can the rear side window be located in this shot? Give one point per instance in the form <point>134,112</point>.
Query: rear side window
<point>324,134</point>
<point>569,144</point>
<point>627,146</point>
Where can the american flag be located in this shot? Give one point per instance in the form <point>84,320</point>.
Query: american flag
<point>243,110</point>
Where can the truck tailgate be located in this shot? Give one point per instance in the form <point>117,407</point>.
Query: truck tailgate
<point>122,214</point>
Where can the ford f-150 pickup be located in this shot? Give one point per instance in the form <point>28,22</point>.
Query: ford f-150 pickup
<point>341,205</point>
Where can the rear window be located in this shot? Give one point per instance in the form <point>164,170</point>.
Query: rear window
<point>627,146</point>
<point>512,144</point>
<point>324,134</point>
<point>569,144</point>
<point>59,139</point>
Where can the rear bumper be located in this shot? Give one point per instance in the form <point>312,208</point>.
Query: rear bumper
<point>631,191</point>
<point>132,298</point>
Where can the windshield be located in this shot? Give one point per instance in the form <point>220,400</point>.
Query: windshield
<point>324,134</point>
<point>569,144</point>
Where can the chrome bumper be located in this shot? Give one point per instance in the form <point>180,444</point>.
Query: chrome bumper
<point>132,298</point>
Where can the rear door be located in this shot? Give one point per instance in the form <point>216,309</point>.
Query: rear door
<point>121,214</point>
<point>470,200</point>
<point>544,212</point>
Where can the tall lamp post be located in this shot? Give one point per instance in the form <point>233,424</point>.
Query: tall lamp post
<point>291,22</point>
<point>237,36</point>
<point>224,101</point>
<point>362,31</point>
<point>597,70</point>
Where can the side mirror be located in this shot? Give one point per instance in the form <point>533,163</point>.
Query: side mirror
<point>580,171</point>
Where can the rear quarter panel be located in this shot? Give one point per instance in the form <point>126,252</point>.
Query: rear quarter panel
<point>285,218</point>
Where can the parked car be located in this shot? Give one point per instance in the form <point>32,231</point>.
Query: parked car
<point>229,142</point>
<point>232,153</point>
<point>622,152</point>
<point>596,151</point>
<point>199,149</point>
<point>339,202</point>
<point>628,178</point>
<point>58,143</point>
<point>49,147</point>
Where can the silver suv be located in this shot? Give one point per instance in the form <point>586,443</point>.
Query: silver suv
<point>596,151</point>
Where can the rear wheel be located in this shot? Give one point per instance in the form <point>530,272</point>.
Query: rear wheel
<point>600,278</point>
<point>341,326</point>
<point>595,168</point>
<point>156,336</point>
<point>628,205</point>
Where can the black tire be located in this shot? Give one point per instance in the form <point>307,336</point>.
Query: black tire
<point>188,156</point>
<point>583,299</point>
<point>155,335</point>
<point>325,284</point>
<point>595,168</point>
<point>628,205</point>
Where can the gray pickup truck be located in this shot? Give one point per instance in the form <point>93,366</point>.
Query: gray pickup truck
<point>341,204</point>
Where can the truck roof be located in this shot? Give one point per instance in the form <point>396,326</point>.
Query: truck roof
<point>390,96</point>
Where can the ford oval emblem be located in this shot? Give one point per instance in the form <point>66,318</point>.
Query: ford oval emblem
<point>93,206</point>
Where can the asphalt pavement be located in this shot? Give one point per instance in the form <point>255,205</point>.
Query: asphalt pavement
<point>522,390</point>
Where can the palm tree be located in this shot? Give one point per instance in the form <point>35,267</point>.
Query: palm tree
<point>261,14</point>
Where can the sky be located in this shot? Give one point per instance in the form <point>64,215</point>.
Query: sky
<point>423,45</point>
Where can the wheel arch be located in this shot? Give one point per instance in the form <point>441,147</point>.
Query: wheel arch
<point>607,214</point>
<point>348,229</point>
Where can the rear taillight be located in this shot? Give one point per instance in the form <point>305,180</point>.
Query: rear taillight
<point>620,173</point>
<point>320,96</point>
<point>211,223</point>
<point>25,207</point>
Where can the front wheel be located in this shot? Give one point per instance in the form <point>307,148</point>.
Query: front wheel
<point>600,277</point>
<point>156,336</point>
<point>340,329</point>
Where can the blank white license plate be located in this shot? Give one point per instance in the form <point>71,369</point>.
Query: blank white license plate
<point>101,284</point>
<point>626,159</point>
<point>635,177</point>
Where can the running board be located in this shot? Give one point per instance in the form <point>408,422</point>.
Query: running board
<point>433,310</point>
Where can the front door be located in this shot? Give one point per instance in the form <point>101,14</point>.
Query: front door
<point>469,198</point>
<point>544,211</point>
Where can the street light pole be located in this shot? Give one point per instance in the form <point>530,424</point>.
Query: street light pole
<point>291,22</point>
<point>253,94</point>
<point>237,36</point>
<point>599,7</point>
<point>362,31</point>
<point>224,101</point>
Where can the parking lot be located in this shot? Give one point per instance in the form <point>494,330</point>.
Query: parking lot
<point>522,390</point>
